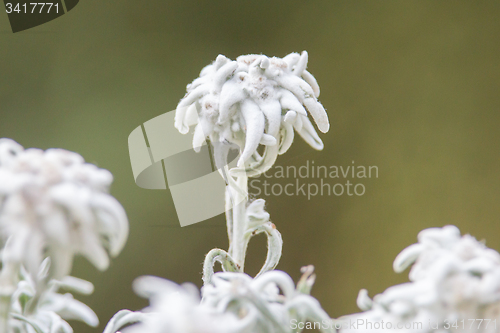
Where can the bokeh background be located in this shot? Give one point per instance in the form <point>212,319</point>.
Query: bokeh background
<point>410,86</point>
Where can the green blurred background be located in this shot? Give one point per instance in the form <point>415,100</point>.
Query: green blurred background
<point>410,86</point>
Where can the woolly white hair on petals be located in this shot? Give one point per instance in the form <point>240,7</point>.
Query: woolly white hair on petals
<point>243,101</point>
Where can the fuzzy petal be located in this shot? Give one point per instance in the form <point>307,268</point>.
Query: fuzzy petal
<point>301,64</point>
<point>296,85</point>
<point>290,102</point>
<point>272,112</point>
<point>191,115</point>
<point>308,133</point>
<point>117,233</point>
<point>309,78</point>
<point>290,117</point>
<point>279,278</point>
<point>318,113</point>
<point>232,93</point>
<point>287,136</point>
<point>71,308</point>
<point>75,284</point>
<point>92,249</point>
<point>190,98</point>
<point>220,61</point>
<point>407,257</point>
<point>268,140</point>
<point>255,123</point>
<point>221,76</point>
<point>198,138</point>
<point>298,123</point>
<point>291,59</point>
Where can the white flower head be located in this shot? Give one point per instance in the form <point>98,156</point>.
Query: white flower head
<point>453,278</point>
<point>251,101</point>
<point>54,204</point>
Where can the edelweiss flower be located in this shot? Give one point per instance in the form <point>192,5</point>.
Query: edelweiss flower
<point>253,101</point>
<point>453,278</point>
<point>54,204</point>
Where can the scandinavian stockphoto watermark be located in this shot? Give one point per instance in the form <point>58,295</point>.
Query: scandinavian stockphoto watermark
<point>311,179</point>
<point>366,324</point>
<point>356,324</point>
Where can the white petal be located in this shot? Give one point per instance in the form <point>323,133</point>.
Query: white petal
<point>296,85</point>
<point>272,112</point>
<point>267,161</point>
<point>221,76</point>
<point>308,133</point>
<point>268,140</point>
<point>407,257</point>
<point>75,284</point>
<point>198,138</point>
<point>190,98</point>
<point>220,61</point>
<point>75,199</point>
<point>301,64</point>
<point>286,139</point>
<point>291,59</point>
<point>290,117</point>
<point>74,309</point>
<point>232,93</point>
<point>290,102</point>
<point>279,278</point>
<point>92,249</point>
<point>318,113</point>
<point>274,250</point>
<point>309,78</point>
<point>122,318</point>
<point>363,301</point>
<point>254,120</point>
<point>118,233</point>
<point>191,115</point>
<point>147,286</point>
<point>298,123</point>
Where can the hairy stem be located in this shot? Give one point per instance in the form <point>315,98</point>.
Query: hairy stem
<point>239,202</point>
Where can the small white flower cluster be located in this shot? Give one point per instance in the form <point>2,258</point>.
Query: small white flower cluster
<point>53,206</point>
<point>232,303</point>
<point>252,101</point>
<point>453,278</point>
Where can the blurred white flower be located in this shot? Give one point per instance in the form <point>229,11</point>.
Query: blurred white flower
<point>453,278</point>
<point>173,308</point>
<point>252,101</point>
<point>54,204</point>
<point>232,303</point>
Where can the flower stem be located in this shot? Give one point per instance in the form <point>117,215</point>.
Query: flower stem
<point>237,241</point>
